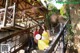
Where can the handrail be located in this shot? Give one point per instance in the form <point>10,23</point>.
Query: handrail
<point>54,42</point>
<point>3,9</point>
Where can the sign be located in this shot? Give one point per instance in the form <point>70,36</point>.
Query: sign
<point>4,48</point>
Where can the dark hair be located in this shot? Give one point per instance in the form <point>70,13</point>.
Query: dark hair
<point>40,30</point>
<point>45,28</point>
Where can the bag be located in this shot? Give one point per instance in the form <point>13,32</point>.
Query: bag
<point>38,36</point>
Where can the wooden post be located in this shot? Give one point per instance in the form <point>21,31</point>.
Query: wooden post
<point>5,14</point>
<point>14,11</point>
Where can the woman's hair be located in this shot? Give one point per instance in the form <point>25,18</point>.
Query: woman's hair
<point>40,30</point>
<point>45,28</point>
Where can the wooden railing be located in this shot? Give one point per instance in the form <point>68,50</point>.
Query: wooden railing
<point>55,42</point>
<point>7,15</point>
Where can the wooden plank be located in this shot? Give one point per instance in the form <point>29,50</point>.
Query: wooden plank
<point>19,26</point>
<point>19,6</point>
<point>32,18</point>
<point>23,5</point>
<point>2,30</point>
<point>13,28</point>
<point>8,28</point>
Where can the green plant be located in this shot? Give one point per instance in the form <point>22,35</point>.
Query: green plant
<point>62,11</point>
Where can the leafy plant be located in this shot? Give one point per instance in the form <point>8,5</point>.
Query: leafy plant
<point>62,11</point>
<point>50,6</point>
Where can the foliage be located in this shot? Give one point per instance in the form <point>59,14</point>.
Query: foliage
<point>70,34</point>
<point>50,6</point>
<point>38,0</point>
<point>53,11</point>
<point>72,0</point>
<point>62,11</point>
<point>69,39</point>
<point>69,29</point>
<point>48,0</point>
<point>29,0</point>
<point>67,0</point>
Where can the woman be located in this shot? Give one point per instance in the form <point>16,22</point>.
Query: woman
<point>43,43</point>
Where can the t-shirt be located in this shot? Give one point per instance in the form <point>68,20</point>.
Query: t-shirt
<point>35,33</point>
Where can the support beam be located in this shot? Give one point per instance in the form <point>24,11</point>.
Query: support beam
<point>14,11</point>
<point>5,14</point>
<point>32,18</point>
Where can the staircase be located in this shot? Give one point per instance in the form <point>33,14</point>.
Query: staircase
<point>20,39</point>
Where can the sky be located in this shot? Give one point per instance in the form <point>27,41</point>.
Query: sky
<point>57,5</point>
